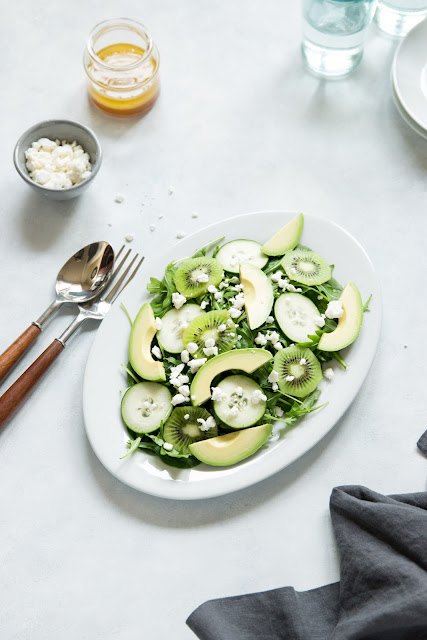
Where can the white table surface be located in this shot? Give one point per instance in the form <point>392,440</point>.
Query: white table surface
<point>240,126</point>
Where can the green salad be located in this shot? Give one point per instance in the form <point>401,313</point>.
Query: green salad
<point>235,338</point>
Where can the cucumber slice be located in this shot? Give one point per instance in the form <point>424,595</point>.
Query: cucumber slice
<point>237,408</point>
<point>234,253</point>
<point>145,406</point>
<point>174,322</point>
<point>296,316</point>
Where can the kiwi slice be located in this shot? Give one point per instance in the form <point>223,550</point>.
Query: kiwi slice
<point>205,327</point>
<point>299,371</point>
<point>182,432</point>
<point>306,267</point>
<point>187,276</point>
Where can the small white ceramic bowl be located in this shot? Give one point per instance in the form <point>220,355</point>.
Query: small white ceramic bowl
<point>61,130</point>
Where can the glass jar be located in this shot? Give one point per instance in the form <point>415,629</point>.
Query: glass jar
<point>122,65</point>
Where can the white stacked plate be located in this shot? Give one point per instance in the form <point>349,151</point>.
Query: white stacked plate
<point>409,77</point>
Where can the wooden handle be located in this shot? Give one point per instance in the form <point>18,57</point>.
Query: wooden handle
<point>20,389</point>
<point>10,357</point>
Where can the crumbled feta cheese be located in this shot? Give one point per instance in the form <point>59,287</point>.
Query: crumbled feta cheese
<point>319,297</point>
<point>153,227</point>
<point>182,379</point>
<point>273,377</point>
<point>328,373</point>
<point>196,364</point>
<point>217,394</point>
<point>320,320</point>
<point>293,271</point>
<point>222,285</point>
<point>186,416</point>
<point>185,356</point>
<point>167,446</point>
<point>279,412</point>
<point>210,351</point>
<point>334,309</point>
<point>174,381</point>
<point>192,347</point>
<point>129,237</point>
<point>156,352</point>
<point>273,337</point>
<point>119,197</point>
<point>210,342</point>
<point>212,289</point>
<point>277,276</point>
<point>238,337</point>
<point>274,386</point>
<point>178,399</point>
<point>175,371</point>
<point>257,396</point>
<point>289,378</point>
<point>261,339</point>
<point>222,328</point>
<point>203,277</point>
<point>239,391</point>
<point>278,346</point>
<point>233,412</point>
<point>194,214</point>
<point>57,165</point>
<point>218,296</point>
<point>203,304</point>
<point>238,287</point>
<point>184,390</point>
<point>230,323</point>
<point>303,361</point>
<point>269,320</point>
<point>207,424</point>
<point>238,301</point>
<point>234,313</point>
<point>178,300</point>
<point>284,284</point>
<point>180,235</point>
<point>158,324</point>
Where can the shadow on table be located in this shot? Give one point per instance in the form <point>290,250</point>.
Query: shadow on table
<point>183,514</point>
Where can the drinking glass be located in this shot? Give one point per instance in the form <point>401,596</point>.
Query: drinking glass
<point>333,34</point>
<point>397,17</point>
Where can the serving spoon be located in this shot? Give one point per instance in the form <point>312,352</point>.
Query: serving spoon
<point>81,278</point>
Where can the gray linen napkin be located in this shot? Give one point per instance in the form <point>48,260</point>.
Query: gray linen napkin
<point>382,594</point>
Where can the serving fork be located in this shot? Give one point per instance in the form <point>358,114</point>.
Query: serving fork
<point>97,310</point>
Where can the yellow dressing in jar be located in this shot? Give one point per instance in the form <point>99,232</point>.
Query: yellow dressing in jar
<point>122,62</point>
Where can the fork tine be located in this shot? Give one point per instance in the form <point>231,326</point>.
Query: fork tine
<point>132,275</point>
<point>120,250</point>
<point>109,297</point>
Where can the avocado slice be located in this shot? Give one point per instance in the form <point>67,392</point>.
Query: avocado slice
<point>258,292</point>
<point>231,448</point>
<point>349,324</point>
<point>242,359</point>
<point>141,337</point>
<point>285,239</point>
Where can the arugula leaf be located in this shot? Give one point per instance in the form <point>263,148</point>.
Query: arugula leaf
<point>133,446</point>
<point>213,244</point>
<point>366,305</point>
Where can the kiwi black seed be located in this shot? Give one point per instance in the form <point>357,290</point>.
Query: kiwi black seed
<point>306,267</point>
<point>187,276</point>
<point>182,432</point>
<point>302,369</point>
<point>205,327</point>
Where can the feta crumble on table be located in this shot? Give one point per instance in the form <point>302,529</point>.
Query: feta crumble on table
<point>156,352</point>
<point>334,309</point>
<point>167,446</point>
<point>194,214</point>
<point>328,373</point>
<point>178,300</point>
<point>129,237</point>
<point>153,227</point>
<point>119,197</point>
<point>180,235</point>
<point>57,165</point>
